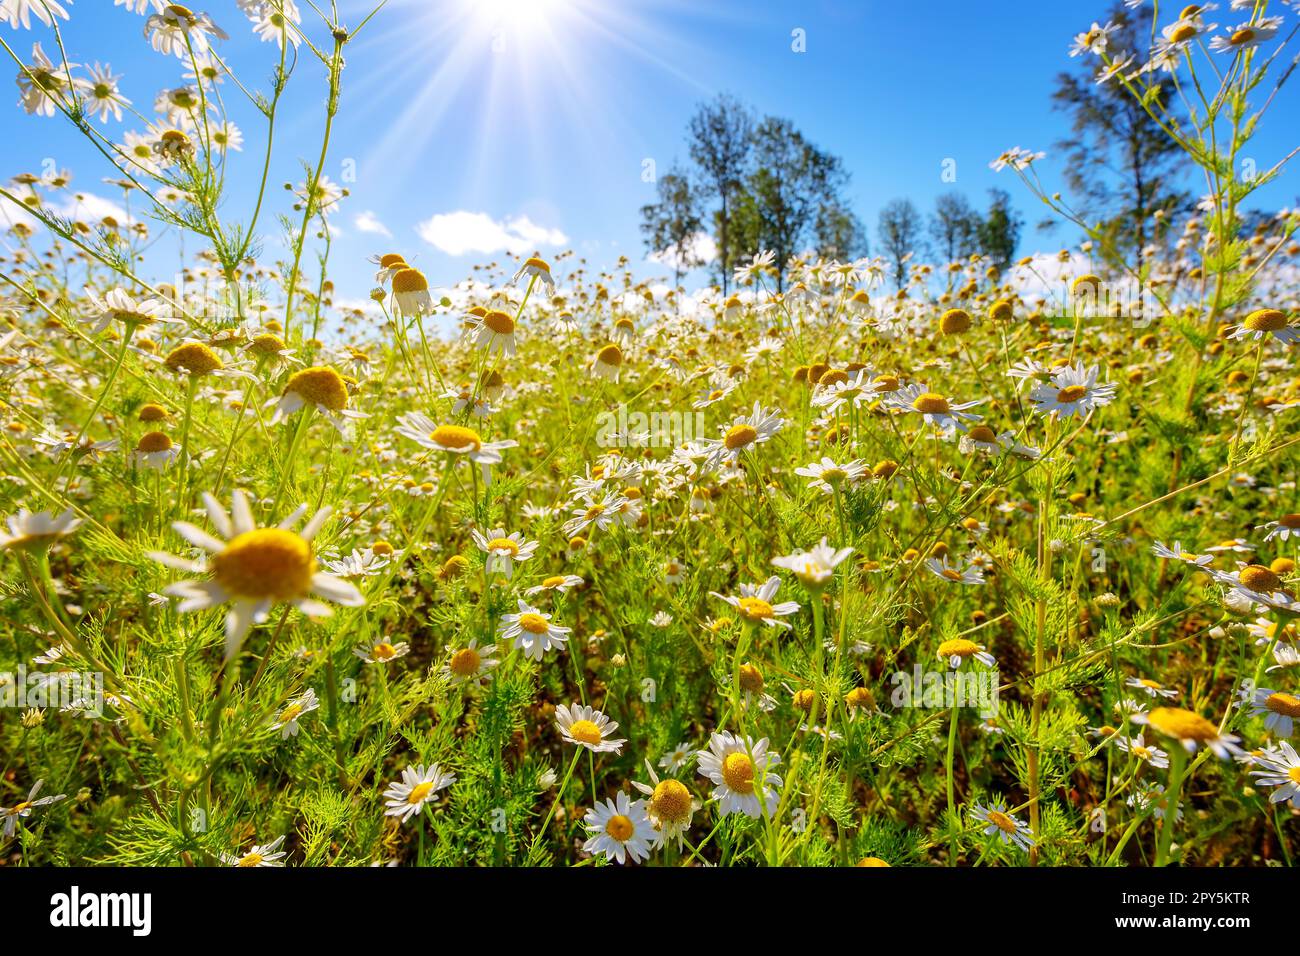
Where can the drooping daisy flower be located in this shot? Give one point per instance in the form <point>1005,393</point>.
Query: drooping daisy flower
<point>1191,730</point>
<point>177,30</point>
<point>1282,529</point>
<point>956,650</point>
<point>20,12</point>
<point>744,432</point>
<point>494,332</point>
<point>1073,390</point>
<point>419,784</point>
<point>532,631</point>
<point>254,568</point>
<point>471,662</point>
<point>11,815</point>
<point>265,855</point>
<point>42,84</point>
<point>620,829</point>
<point>502,550</point>
<point>608,362</point>
<point>1281,769</point>
<point>738,767</point>
<point>37,531</point>
<point>287,720</point>
<point>1257,584</point>
<point>411,292</point>
<point>813,568</point>
<point>319,387</point>
<point>156,450</point>
<point>1265,322</point>
<point>587,727</point>
<point>1002,824</point>
<point>755,603</point>
<point>536,269</point>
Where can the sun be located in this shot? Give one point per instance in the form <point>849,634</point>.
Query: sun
<point>517,16</point>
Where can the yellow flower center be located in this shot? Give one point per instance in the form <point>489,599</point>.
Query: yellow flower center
<point>751,679</point>
<point>391,259</point>
<point>419,792</point>
<point>1265,320</point>
<point>585,731</point>
<point>533,623</point>
<point>958,647</point>
<point>931,403</point>
<point>871,861</point>
<point>620,828</point>
<point>610,355</point>
<point>1260,579</point>
<point>1071,393</point>
<point>500,323</point>
<point>383,651</point>
<point>1244,35</point>
<point>756,609</point>
<point>457,437</point>
<point>268,563</point>
<point>738,772</point>
<point>410,280</point>
<point>1002,821</point>
<point>1285,704</point>
<point>554,581</point>
<point>955,321</point>
<point>250,859</point>
<point>1294,775</point>
<point>465,662</point>
<point>320,385</point>
<point>156,413</point>
<point>503,544</point>
<point>290,713</point>
<point>738,436</point>
<point>1182,724</point>
<point>195,358</point>
<point>266,345</point>
<point>1290,521</point>
<point>1184,32</point>
<point>671,801</point>
<point>982,434</point>
<point>154,442</point>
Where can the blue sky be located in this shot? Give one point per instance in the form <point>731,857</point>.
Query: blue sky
<point>479,129</point>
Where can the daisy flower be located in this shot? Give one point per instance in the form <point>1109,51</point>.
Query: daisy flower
<point>677,757</point>
<point>1191,730</point>
<point>502,550</point>
<point>411,292</point>
<point>20,12</point>
<point>471,662</point>
<point>537,270</point>
<point>1258,584</point>
<point>587,727</point>
<point>532,631</point>
<point>608,362</point>
<point>1002,824</point>
<point>737,766</point>
<point>37,531</point>
<point>319,387</point>
<point>382,652</point>
<point>1151,688</point>
<point>178,30</point>
<point>42,84</point>
<point>1281,769</point>
<point>454,439</point>
<point>155,450</point>
<point>1073,390</point>
<point>100,93</point>
<point>1137,746</point>
<point>1246,35</point>
<point>956,650</point>
<point>1176,553</point>
<point>620,829</point>
<point>254,568</point>
<point>670,805</point>
<point>1282,529</point>
<point>406,797</point>
<point>936,409</point>
<point>556,584</point>
<point>827,475</point>
<point>1279,710</point>
<point>1266,322</point>
<point>813,568</point>
<point>940,568</point>
<point>287,720</point>
<point>11,815</point>
<point>269,854</point>
<point>755,603</point>
<point>494,333</point>
<point>745,432</point>
<point>602,514</point>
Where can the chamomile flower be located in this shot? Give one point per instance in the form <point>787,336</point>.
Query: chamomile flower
<point>100,93</point>
<point>555,584</point>
<point>286,722</point>
<point>1279,710</point>
<point>1176,553</point>
<point>1138,747</point>
<point>537,270</point>
<point>178,30</point>
<point>320,388</point>
<point>1280,769</point>
<point>587,727</point>
<point>471,662</point>
<point>12,815</point>
<point>608,362</point>
<point>755,603</point>
<point>1246,35</point>
<point>261,855</point>
<point>740,770</point>
<point>815,567</point>
<point>419,784</point>
<point>20,12</point>
<point>1072,390</point>
<point>676,757</point>
<point>745,432</point>
<point>1191,730</point>
<point>454,439</point>
<point>254,568</point>
<point>670,805</point>
<point>493,332</point>
<point>1263,323</point>
<point>411,292</point>
<point>156,450</point>
<point>1282,529</point>
<point>620,829</point>
<point>382,652</point>
<point>958,649</point>
<point>37,531</point>
<point>502,550</point>
<point>42,84</point>
<point>1257,584</point>
<point>1151,688</point>
<point>828,476</point>
<point>936,409</point>
<point>998,822</point>
<point>941,568</point>
<point>532,631</point>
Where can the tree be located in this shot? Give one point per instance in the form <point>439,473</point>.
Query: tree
<point>899,229</point>
<point>955,227</point>
<point>999,231</point>
<point>792,188</point>
<point>839,233</point>
<point>672,225</point>
<point>1120,164</point>
<point>719,142</point>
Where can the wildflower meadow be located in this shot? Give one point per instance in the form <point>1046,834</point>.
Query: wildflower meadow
<point>780,542</point>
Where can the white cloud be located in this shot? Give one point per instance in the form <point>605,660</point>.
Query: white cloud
<point>700,247</point>
<point>462,232</point>
<point>369,222</point>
